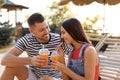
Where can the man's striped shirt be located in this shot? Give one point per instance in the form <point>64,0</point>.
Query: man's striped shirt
<point>29,44</point>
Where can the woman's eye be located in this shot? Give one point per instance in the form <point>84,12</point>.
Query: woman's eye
<point>63,32</point>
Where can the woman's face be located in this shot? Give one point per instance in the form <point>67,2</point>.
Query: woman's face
<point>65,35</point>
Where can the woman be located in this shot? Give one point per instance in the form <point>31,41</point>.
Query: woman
<point>81,66</point>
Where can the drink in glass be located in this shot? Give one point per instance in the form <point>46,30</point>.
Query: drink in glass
<point>44,55</point>
<point>55,57</point>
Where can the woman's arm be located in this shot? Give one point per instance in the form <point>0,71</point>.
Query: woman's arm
<point>65,77</point>
<point>62,63</point>
<point>90,61</point>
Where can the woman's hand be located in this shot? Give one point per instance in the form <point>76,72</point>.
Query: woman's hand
<point>61,54</point>
<point>58,66</point>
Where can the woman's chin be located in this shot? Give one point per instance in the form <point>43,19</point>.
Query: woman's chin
<point>68,44</point>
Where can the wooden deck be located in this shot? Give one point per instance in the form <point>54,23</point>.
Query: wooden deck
<point>110,60</point>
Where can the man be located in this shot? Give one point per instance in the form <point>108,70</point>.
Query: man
<point>31,43</point>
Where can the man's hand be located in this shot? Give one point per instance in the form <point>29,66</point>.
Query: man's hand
<point>38,61</point>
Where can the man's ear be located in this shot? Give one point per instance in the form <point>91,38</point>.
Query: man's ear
<point>31,30</point>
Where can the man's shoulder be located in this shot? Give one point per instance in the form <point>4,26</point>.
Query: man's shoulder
<point>27,38</point>
<point>29,35</point>
<point>54,37</point>
<point>54,34</point>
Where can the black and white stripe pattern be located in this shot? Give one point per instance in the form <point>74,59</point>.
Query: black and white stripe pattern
<point>29,44</point>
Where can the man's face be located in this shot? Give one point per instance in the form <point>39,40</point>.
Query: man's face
<point>41,31</point>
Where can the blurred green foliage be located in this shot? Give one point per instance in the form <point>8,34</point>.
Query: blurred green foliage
<point>6,31</point>
<point>58,14</point>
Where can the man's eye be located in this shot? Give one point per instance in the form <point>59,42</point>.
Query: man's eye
<point>41,30</point>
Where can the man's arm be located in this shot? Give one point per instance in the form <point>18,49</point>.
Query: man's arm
<point>11,58</point>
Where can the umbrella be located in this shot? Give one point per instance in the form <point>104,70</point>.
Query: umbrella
<point>2,2</point>
<point>12,6</point>
<point>86,2</point>
<point>9,5</point>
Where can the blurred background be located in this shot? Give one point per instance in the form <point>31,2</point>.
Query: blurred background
<point>100,19</point>
<point>95,17</point>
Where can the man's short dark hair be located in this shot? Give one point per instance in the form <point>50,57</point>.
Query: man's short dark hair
<point>35,18</point>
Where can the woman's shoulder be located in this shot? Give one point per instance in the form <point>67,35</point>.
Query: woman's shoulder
<point>90,50</point>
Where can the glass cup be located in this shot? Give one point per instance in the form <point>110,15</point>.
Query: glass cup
<point>44,53</point>
<point>55,57</point>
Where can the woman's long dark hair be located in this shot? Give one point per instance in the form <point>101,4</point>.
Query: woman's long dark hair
<point>75,29</point>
